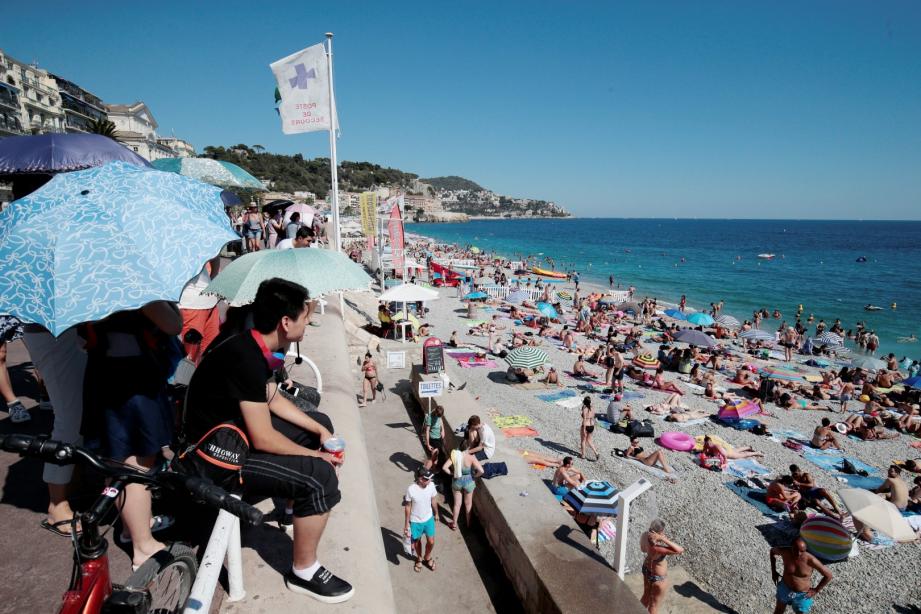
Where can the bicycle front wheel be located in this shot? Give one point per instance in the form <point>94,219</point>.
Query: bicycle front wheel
<point>168,577</point>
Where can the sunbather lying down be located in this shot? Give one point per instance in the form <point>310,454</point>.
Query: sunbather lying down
<point>685,416</point>
<point>657,457</point>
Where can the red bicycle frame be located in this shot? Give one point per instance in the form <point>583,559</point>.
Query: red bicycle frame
<point>94,586</point>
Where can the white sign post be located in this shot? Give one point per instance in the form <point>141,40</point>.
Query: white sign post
<point>431,389</point>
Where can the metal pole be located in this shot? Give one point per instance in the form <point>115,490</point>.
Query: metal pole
<point>333,164</point>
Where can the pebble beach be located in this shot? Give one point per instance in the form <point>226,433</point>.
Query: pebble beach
<point>726,539</point>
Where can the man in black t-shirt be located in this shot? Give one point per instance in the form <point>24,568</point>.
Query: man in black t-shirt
<point>234,383</point>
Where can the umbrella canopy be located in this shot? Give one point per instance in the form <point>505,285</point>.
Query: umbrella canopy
<point>675,313</point>
<point>275,205</point>
<point>913,382</point>
<point>230,199</point>
<point>646,361</point>
<point>784,373</point>
<point>564,295</point>
<point>756,334</point>
<point>695,337</point>
<point>593,497</point>
<point>53,153</point>
<point>476,296</point>
<point>877,513</point>
<point>630,306</point>
<point>700,319</point>
<point>868,363</point>
<point>548,310</point>
<point>307,213</point>
<point>828,339</point>
<point>516,297</point>
<point>736,410</point>
<point>215,172</point>
<point>526,357</point>
<point>106,239</point>
<point>727,320</point>
<point>474,250</point>
<point>321,271</point>
<point>408,293</point>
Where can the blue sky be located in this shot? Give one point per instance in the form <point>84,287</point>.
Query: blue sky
<point>661,109</point>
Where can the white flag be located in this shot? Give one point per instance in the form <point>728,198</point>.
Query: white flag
<point>303,82</point>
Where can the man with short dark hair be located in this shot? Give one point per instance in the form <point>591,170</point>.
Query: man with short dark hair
<point>421,513</point>
<point>794,586</point>
<point>302,238</point>
<point>234,383</point>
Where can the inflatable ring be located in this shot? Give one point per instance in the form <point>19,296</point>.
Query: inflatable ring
<point>676,440</point>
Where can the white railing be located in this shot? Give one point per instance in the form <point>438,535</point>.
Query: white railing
<point>224,542</point>
<point>619,295</point>
<point>502,292</point>
<point>292,351</point>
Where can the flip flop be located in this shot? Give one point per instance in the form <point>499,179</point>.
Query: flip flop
<point>55,527</point>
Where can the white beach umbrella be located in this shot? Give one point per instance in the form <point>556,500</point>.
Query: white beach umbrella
<point>877,513</point>
<point>408,293</point>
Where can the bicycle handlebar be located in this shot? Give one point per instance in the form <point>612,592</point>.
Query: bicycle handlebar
<point>62,453</point>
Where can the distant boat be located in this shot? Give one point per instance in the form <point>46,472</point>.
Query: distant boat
<point>766,256</point>
<point>862,259</point>
<point>872,308</point>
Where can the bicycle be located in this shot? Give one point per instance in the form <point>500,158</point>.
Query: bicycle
<point>162,583</point>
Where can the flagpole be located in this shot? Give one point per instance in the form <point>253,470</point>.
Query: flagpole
<point>333,164</point>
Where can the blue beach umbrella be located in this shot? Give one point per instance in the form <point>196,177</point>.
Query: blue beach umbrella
<point>215,172</point>
<point>913,382</point>
<point>60,153</point>
<point>674,313</point>
<point>595,497</point>
<point>548,310</point>
<point>700,319</point>
<point>106,239</point>
<point>476,296</point>
<point>516,297</point>
<point>695,337</point>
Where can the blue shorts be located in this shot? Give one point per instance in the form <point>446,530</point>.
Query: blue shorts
<point>418,529</point>
<point>560,490</point>
<point>798,601</point>
<point>140,427</point>
<point>252,233</point>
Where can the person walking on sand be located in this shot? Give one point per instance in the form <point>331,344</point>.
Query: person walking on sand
<point>789,342</point>
<point>587,427</point>
<point>421,513</point>
<point>794,586</point>
<point>656,547</point>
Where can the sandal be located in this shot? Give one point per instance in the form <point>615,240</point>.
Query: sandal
<point>418,566</point>
<point>430,563</point>
<point>55,527</point>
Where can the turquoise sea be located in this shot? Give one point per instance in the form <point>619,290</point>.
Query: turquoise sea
<point>713,260</point>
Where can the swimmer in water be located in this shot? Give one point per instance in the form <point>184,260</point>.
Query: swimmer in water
<point>893,306</point>
<point>909,339</point>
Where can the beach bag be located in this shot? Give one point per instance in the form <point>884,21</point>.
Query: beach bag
<point>491,470</point>
<point>766,391</point>
<point>218,456</point>
<point>640,429</point>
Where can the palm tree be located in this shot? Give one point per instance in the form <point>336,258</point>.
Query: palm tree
<point>258,148</point>
<point>104,127</point>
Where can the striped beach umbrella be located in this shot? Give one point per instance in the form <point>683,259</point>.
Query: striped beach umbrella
<point>826,538</point>
<point>728,321</point>
<point>476,296</point>
<point>516,297</point>
<point>828,338</point>
<point>526,357</point>
<point>646,361</point>
<point>630,306</point>
<point>695,337</point>
<point>738,409</point>
<point>595,497</point>
<point>674,313</point>
<point>700,319</point>
<point>548,310</point>
<point>564,295</point>
<point>215,172</point>
<point>868,363</point>
<point>756,334</point>
<point>783,373</point>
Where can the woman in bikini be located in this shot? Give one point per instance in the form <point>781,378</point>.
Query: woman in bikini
<point>369,379</point>
<point>659,383</point>
<point>656,546</point>
<point>587,428</point>
<point>635,451</point>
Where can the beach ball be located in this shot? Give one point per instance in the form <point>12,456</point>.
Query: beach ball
<point>826,538</point>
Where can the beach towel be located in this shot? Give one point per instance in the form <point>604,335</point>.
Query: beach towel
<point>779,435</point>
<point>466,364</point>
<point>607,531</point>
<point>758,503</point>
<point>569,403</point>
<point>504,422</point>
<point>870,482</point>
<point>833,464</point>
<point>552,397</point>
<point>685,424</point>
<point>603,424</point>
<point>585,378</point>
<point>461,354</point>
<point>632,395</point>
<point>915,444</point>
<point>746,468</point>
<point>880,541</point>
<point>520,431</point>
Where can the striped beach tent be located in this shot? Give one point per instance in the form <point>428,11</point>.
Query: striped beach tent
<point>595,497</point>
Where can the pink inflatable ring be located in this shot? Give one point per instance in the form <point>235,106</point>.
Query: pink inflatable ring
<point>681,442</point>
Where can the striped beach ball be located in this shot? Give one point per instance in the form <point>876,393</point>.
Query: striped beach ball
<point>826,538</point>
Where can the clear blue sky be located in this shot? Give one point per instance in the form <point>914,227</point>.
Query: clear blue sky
<point>661,109</point>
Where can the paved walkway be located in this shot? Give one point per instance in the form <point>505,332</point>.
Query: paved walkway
<point>467,571</point>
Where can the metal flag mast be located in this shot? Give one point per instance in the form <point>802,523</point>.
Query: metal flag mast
<point>333,164</point>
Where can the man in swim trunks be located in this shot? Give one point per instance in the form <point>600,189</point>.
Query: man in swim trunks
<point>813,495</point>
<point>781,496</point>
<point>823,438</point>
<point>795,588</point>
<point>566,476</point>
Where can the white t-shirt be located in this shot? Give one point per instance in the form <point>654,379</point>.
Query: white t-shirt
<point>285,244</point>
<point>489,440</point>
<point>192,297</point>
<point>421,499</point>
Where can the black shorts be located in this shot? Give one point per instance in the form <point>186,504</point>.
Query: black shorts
<point>310,481</point>
<point>618,375</point>
<point>589,429</point>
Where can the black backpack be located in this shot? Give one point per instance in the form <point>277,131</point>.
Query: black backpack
<point>640,429</point>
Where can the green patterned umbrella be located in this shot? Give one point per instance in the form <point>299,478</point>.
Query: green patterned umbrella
<point>526,357</point>
<point>321,271</point>
<point>215,172</point>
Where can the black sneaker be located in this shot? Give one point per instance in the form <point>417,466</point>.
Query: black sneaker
<point>286,521</point>
<point>324,586</point>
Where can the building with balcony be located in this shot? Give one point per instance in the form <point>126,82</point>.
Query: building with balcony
<point>181,148</point>
<point>81,108</point>
<point>40,106</point>
<point>136,128</point>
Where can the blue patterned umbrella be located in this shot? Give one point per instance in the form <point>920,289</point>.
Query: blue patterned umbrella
<point>53,153</point>
<point>548,310</point>
<point>516,297</point>
<point>594,497</point>
<point>675,313</point>
<point>215,172</point>
<point>700,319</point>
<point>912,382</point>
<point>106,239</point>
